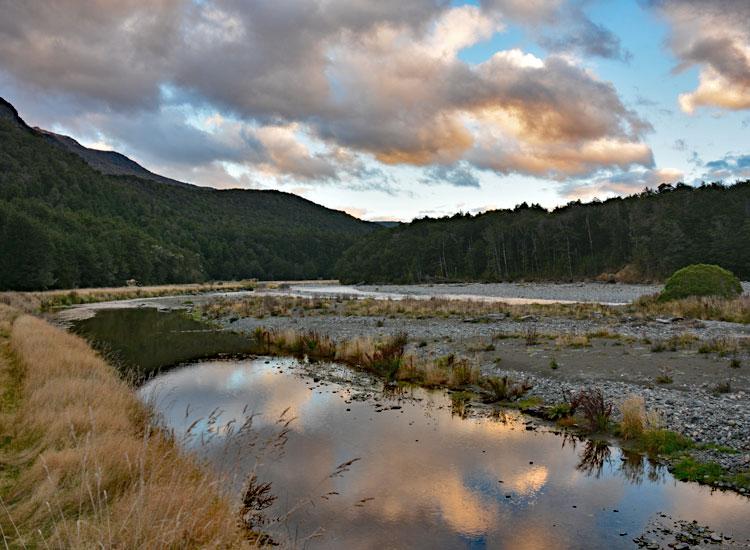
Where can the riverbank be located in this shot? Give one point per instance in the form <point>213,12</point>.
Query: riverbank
<point>82,462</point>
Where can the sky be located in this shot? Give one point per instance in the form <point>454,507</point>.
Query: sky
<point>395,109</point>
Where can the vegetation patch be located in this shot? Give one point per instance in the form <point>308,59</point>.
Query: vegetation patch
<point>711,473</point>
<point>594,407</point>
<point>504,389</point>
<point>662,442</point>
<point>701,280</point>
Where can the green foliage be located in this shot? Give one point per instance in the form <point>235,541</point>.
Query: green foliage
<point>663,442</point>
<point>701,280</point>
<point>558,411</point>
<point>653,233</point>
<point>65,225</point>
<point>689,469</point>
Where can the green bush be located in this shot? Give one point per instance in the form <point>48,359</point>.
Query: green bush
<point>701,280</point>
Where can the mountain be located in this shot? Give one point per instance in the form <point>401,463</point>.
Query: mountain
<point>638,238</point>
<point>107,162</point>
<point>72,217</point>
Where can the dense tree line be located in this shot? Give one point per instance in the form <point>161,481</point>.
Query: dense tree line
<point>65,225</point>
<point>645,236</point>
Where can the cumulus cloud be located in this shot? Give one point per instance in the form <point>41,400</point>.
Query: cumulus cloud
<point>312,90</point>
<point>716,37</point>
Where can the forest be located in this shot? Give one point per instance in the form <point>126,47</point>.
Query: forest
<point>63,224</point>
<point>642,237</point>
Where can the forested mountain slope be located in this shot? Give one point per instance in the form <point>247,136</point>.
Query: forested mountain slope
<point>66,224</point>
<point>650,235</point>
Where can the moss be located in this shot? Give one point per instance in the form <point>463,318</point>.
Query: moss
<point>701,280</point>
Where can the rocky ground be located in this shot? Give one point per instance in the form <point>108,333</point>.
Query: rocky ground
<point>576,292</point>
<point>573,292</point>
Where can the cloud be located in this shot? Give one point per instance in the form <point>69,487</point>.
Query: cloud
<point>459,175</point>
<point>728,169</point>
<point>323,90</point>
<point>619,184</point>
<point>588,38</point>
<point>715,36</point>
<point>356,212</point>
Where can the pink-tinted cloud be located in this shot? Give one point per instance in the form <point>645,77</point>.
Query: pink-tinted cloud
<point>319,89</point>
<point>716,37</point>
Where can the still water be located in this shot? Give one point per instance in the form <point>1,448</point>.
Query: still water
<point>424,477</point>
<point>421,476</point>
<point>142,341</point>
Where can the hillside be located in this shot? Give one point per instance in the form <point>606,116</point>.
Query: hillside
<point>644,237</point>
<point>107,162</point>
<point>65,224</point>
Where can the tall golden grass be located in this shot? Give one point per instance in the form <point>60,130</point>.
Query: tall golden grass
<point>94,471</point>
<point>385,357</point>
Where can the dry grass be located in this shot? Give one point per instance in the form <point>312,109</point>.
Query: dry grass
<point>633,410</point>
<point>637,423</point>
<point>572,341</point>
<point>725,346</point>
<point>267,305</point>
<point>443,372</point>
<point>735,310</point>
<point>384,357</point>
<point>31,302</point>
<point>93,470</point>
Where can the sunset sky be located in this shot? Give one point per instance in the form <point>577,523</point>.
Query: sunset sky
<point>395,109</point>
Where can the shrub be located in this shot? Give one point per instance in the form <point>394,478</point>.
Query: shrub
<point>722,387</point>
<point>665,377</point>
<point>701,280</point>
<point>385,360</point>
<point>531,336</point>
<point>595,409</point>
<point>503,389</point>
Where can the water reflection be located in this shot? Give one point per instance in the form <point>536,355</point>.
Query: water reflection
<point>142,341</point>
<point>593,458</point>
<point>416,476</point>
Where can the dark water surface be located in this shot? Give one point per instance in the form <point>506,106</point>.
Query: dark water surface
<point>142,341</point>
<point>426,478</point>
